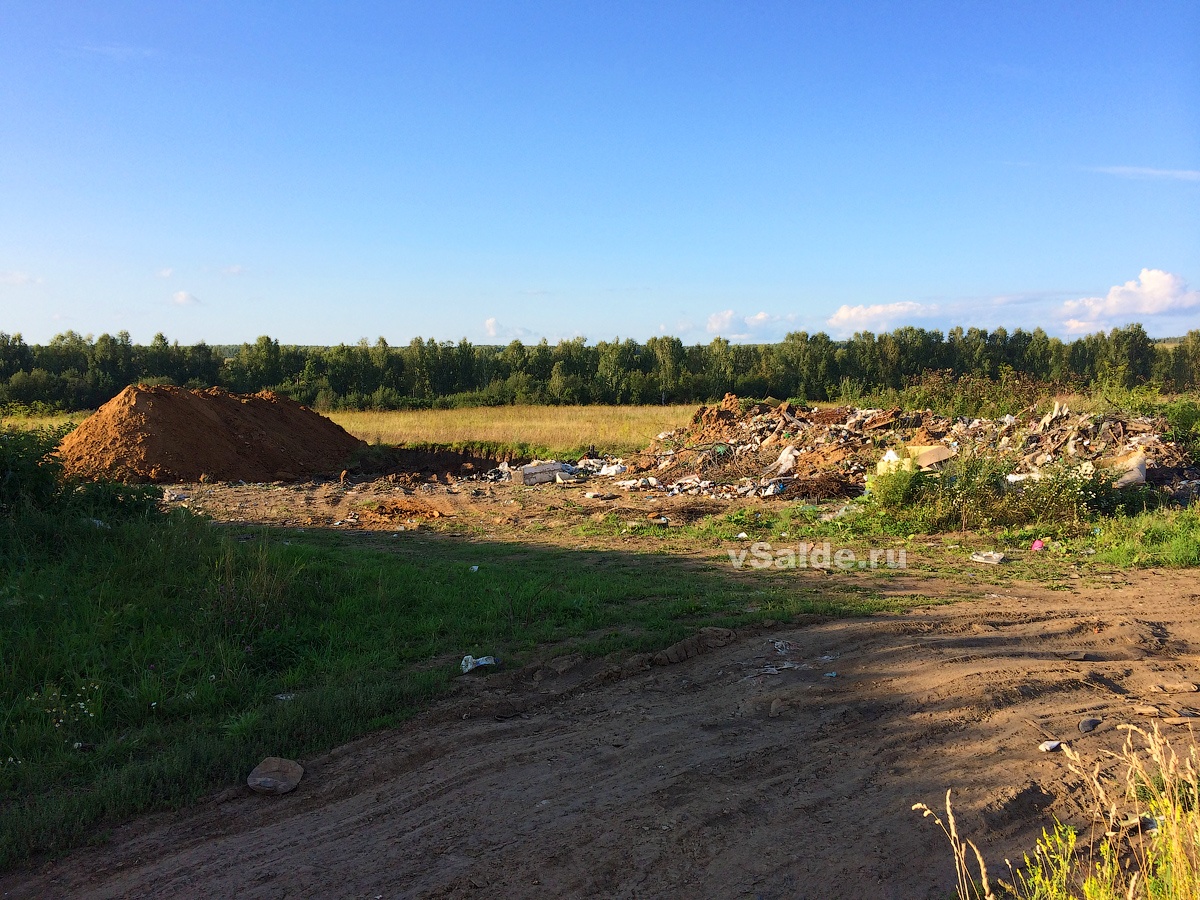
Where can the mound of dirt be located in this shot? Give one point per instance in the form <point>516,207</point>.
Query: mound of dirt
<point>170,434</point>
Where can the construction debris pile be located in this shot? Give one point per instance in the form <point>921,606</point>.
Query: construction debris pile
<point>779,450</point>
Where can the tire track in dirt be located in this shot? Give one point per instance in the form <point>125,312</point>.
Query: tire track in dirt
<point>746,770</point>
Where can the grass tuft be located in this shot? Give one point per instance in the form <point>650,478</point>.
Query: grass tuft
<point>1145,844</point>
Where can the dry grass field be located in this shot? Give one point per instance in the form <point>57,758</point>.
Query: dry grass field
<point>57,420</point>
<point>612,429</point>
<point>615,429</point>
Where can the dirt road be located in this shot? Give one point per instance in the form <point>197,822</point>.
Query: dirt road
<point>781,763</point>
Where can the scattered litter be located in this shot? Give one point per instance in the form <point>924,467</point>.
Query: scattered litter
<point>1050,746</point>
<point>742,536</point>
<point>775,669</point>
<point>830,675</point>
<point>1180,720</point>
<point>991,557</point>
<point>1037,545</point>
<point>473,569</point>
<point>1088,725</point>
<point>1177,687</point>
<point>285,697</point>
<point>783,646</point>
<point>275,775</point>
<point>470,662</point>
<point>599,495</point>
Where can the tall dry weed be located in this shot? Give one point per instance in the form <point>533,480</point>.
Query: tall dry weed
<point>1143,841</point>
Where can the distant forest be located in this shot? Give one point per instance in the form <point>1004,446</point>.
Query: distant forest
<point>73,372</point>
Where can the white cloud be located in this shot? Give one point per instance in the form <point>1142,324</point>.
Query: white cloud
<point>166,272</point>
<point>1153,293</point>
<point>183,298</point>
<point>18,279</point>
<point>720,322</point>
<point>1144,172</point>
<point>760,319</point>
<point>498,330</point>
<point>877,316</point>
<point>234,270</point>
<point>761,326</point>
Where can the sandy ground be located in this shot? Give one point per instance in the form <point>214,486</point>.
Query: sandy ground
<point>780,762</point>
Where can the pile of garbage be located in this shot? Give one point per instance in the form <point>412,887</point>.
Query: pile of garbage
<point>776,449</point>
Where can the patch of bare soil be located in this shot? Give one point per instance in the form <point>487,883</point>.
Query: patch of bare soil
<point>768,763</point>
<point>170,434</point>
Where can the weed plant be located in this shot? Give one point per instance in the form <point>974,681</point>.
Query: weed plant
<point>1144,843</point>
<point>973,492</point>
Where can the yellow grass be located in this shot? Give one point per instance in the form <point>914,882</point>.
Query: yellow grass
<point>54,421</point>
<point>613,429</point>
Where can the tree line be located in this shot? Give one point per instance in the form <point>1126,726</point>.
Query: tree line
<point>77,372</point>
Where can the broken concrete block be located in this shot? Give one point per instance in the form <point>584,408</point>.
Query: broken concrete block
<point>541,473</point>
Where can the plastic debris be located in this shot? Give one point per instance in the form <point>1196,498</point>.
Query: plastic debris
<point>1050,746</point>
<point>470,663</point>
<point>991,557</point>
<point>473,569</point>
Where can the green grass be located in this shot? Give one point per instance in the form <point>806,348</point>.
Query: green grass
<point>1163,538</point>
<point>141,654</point>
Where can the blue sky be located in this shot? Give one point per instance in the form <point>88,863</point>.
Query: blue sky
<point>323,172</point>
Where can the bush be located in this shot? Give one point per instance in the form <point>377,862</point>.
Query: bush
<point>974,492</point>
<point>30,476</point>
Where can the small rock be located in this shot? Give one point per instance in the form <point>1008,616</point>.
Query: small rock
<point>776,708</point>
<point>1087,725</point>
<point>275,775</point>
<point>1050,746</point>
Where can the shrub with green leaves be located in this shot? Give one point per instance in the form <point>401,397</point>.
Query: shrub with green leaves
<point>973,492</point>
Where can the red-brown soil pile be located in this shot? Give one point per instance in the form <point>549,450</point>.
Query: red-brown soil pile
<point>169,434</point>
